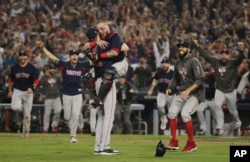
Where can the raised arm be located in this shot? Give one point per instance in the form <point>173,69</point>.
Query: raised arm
<point>204,53</point>
<point>47,53</point>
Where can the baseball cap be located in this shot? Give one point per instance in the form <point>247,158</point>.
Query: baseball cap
<point>182,42</point>
<point>51,66</point>
<point>22,53</point>
<point>73,51</point>
<point>165,60</point>
<point>224,51</point>
<point>91,33</point>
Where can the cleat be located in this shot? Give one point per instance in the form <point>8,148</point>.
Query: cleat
<point>190,146</point>
<point>97,152</point>
<point>54,129</point>
<point>173,145</point>
<point>201,132</point>
<point>164,122</point>
<point>73,140</point>
<point>45,131</point>
<point>218,132</point>
<point>236,132</point>
<point>109,152</point>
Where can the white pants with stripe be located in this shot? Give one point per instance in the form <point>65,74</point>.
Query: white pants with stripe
<point>22,101</point>
<point>72,106</point>
<point>105,118</point>
<point>230,98</point>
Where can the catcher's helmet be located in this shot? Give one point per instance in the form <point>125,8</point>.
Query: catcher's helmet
<point>91,33</point>
<point>160,149</point>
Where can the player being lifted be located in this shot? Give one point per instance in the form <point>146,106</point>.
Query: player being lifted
<point>109,61</point>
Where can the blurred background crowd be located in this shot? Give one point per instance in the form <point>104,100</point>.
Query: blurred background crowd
<point>141,23</point>
<point>149,27</point>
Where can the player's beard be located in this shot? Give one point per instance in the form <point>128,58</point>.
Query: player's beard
<point>182,54</point>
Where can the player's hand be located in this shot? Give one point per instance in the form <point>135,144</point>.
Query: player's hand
<point>101,43</point>
<point>39,44</point>
<point>150,93</point>
<point>195,42</point>
<point>29,91</point>
<point>9,95</point>
<point>168,92</point>
<point>184,95</point>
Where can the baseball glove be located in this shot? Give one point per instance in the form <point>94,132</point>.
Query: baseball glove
<point>160,149</point>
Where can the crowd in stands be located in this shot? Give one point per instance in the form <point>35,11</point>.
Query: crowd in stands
<point>150,28</point>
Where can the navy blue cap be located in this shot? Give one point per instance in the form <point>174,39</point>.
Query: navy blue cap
<point>22,53</point>
<point>224,51</point>
<point>91,33</point>
<point>73,51</point>
<point>165,60</point>
<point>184,43</point>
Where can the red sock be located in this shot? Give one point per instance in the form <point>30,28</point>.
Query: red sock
<point>189,129</point>
<point>173,127</point>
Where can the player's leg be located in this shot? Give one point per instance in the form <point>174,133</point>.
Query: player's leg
<point>173,112</point>
<point>100,119</point>
<point>80,124</point>
<point>190,106</point>
<point>27,107</point>
<point>219,98</point>
<point>109,110</point>
<point>46,116</point>
<point>16,106</point>
<point>200,115</point>
<point>232,107</point>
<point>161,103</point>
<point>57,105</point>
<point>75,113</point>
<point>121,67</point>
<point>92,120</point>
<point>107,82</point>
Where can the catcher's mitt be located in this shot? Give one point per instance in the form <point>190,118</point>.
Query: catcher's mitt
<point>160,149</point>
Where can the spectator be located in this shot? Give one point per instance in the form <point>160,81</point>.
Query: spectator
<point>125,95</point>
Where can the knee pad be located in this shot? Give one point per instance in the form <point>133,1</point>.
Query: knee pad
<point>110,73</point>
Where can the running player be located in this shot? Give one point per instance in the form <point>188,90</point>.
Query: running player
<point>226,82</point>
<point>23,79</point>
<point>162,79</point>
<point>50,85</point>
<point>189,77</point>
<point>72,71</point>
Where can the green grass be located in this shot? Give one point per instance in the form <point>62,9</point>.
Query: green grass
<point>133,148</point>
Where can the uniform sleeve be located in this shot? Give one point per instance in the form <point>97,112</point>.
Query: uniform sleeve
<point>198,72</point>
<point>206,55</point>
<point>240,58</point>
<point>173,82</point>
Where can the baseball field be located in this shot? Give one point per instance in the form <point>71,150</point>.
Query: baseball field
<point>133,148</point>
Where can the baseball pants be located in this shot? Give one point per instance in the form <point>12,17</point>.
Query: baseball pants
<point>105,118</point>
<point>22,101</point>
<point>230,99</point>
<point>121,67</point>
<point>200,112</point>
<point>72,106</point>
<point>50,104</point>
<point>187,108</point>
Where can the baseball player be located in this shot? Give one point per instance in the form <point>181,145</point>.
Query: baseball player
<point>50,85</point>
<point>209,100</point>
<point>23,79</point>
<point>226,82</point>
<point>189,78</point>
<point>72,72</point>
<point>244,83</point>
<point>110,61</point>
<point>162,79</point>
